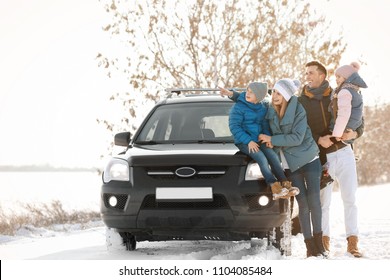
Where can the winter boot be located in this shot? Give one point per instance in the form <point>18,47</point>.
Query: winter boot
<point>292,191</point>
<point>317,237</point>
<point>326,242</point>
<point>278,191</point>
<point>352,246</point>
<point>311,248</point>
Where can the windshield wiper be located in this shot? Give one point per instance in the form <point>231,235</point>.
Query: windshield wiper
<point>149,142</point>
<point>214,141</point>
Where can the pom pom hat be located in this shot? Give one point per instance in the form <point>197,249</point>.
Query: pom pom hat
<point>259,89</point>
<point>287,87</point>
<point>346,71</point>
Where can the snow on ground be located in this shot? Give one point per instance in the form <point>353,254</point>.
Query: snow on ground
<point>87,242</point>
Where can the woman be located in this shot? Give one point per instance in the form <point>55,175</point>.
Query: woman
<point>293,141</point>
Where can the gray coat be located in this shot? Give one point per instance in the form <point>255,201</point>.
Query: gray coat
<point>292,135</point>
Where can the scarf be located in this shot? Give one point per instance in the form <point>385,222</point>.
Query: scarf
<point>318,93</point>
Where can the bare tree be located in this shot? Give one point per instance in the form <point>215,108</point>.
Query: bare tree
<point>373,147</point>
<point>205,43</point>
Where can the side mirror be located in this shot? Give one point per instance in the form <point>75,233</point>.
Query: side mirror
<point>122,139</point>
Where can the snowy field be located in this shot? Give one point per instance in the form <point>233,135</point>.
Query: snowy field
<point>66,242</point>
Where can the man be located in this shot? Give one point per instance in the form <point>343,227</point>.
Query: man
<point>315,98</point>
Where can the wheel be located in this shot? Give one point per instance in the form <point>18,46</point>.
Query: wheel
<point>129,241</point>
<point>285,228</point>
<point>131,244</point>
<point>280,237</point>
<point>274,237</point>
<point>296,226</point>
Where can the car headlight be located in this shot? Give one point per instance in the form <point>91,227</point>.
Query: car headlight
<point>253,172</point>
<point>117,170</point>
<point>263,200</point>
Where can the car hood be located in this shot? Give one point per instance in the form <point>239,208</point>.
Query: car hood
<point>178,154</point>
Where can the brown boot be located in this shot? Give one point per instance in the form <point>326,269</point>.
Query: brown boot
<point>292,191</point>
<point>326,242</point>
<point>311,248</point>
<point>352,246</point>
<point>317,237</point>
<point>278,191</point>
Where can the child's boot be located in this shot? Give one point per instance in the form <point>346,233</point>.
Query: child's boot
<point>292,191</point>
<point>278,191</point>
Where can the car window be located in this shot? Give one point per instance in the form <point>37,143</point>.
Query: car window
<point>218,124</point>
<point>188,122</point>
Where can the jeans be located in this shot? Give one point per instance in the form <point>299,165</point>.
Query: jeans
<point>307,179</point>
<point>342,168</point>
<point>266,157</point>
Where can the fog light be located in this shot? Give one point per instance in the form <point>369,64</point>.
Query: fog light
<point>113,201</point>
<point>263,200</point>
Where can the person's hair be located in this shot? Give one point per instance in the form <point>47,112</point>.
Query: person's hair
<point>281,109</point>
<point>320,67</point>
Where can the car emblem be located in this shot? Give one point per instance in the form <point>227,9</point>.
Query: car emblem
<point>185,172</point>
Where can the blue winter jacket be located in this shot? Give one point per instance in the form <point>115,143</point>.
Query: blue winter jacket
<point>247,120</point>
<point>292,135</point>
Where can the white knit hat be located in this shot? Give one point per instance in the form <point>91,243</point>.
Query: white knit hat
<point>287,87</point>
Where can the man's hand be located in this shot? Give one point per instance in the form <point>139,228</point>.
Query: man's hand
<point>253,147</point>
<point>225,92</point>
<point>325,141</point>
<point>349,134</point>
<point>264,138</point>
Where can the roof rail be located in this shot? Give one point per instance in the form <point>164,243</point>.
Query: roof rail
<point>178,91</point>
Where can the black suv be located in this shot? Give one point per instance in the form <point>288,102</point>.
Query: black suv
<point>182,178</point>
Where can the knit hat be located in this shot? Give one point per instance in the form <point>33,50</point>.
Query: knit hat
<point>287,87</point>
<point>259,89</point>
<point>346,71</point>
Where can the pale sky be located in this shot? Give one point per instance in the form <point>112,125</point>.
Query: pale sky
<point>51,90</point>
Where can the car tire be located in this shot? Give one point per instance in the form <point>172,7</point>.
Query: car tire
<point>129,241</point>
<point>280,237</point>
<point>296,226</point>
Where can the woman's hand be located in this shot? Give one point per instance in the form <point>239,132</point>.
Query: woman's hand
<point>269,145</point>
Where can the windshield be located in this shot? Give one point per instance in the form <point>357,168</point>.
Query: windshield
<point>189,122</point>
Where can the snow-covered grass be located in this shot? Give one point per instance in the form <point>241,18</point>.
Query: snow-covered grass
<point>87,242</point>
<point>42,215</point>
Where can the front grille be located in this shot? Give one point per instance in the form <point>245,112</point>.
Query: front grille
<point>201,173</point>
<point>174,177</point>
<point>219,202</point>
<point>121,198</point>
